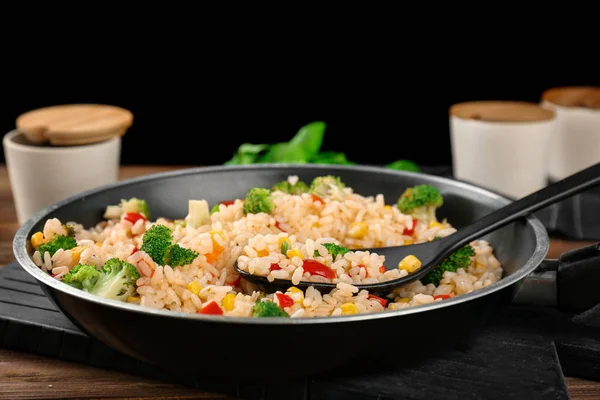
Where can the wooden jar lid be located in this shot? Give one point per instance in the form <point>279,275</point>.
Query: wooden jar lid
<point>574,96</point>
<point>74,124</point>
<point>501,111</point>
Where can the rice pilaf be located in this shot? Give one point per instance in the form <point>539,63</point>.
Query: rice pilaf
<point>291,231</point>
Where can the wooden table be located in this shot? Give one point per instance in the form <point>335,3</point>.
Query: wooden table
<point>28,376</point>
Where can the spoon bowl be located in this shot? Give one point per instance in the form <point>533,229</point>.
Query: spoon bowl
<point>432,253</point>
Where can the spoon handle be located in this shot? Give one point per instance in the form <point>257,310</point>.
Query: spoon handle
<point>569,186</point>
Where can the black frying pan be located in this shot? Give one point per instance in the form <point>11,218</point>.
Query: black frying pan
<point>261,347</point>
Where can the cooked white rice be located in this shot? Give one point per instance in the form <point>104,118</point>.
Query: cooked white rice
<point>255,240</point>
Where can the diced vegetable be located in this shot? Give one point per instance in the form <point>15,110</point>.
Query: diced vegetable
<point>133,217</point>
<point>211,308</point>
<point>316,268</point>
<point>349,309</point>
<point>284,300</point>
<point>380,300</point>
<point>410,264</point>
<point>198,213</point>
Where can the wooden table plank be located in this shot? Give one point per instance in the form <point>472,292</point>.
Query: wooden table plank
<point>28,376</point>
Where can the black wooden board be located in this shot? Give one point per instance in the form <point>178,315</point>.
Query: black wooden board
<point>524,353</point>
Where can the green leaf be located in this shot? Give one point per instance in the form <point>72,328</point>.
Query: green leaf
<point>404,165</point>
<point>330,157</point>
<point>284,153</point>
<point>310,138</point>
<point>247,153</point>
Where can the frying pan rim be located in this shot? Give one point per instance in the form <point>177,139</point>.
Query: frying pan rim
<point>25,261</point>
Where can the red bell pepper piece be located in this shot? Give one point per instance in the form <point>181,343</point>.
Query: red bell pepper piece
<point>316,268</point>
<point>411,231</point>
<point>274,267</point>
<point>443,296</point>
<point>381,301</point>
<point>133,217</point>
<point>284,300</point>
<point>211,308</point>
<point>317,199</point>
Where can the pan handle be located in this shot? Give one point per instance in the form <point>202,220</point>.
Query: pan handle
<point>570,283</point>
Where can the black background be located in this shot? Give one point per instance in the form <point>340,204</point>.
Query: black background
<point>198,111</point>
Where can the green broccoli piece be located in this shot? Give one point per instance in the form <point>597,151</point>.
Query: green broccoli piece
<point>158,243</point>
<point>136,205</point>
<point>117,280</point>
<point>333,249</point>
<point>268,309</point>
<point>324,186</point>
<point>82,276</point>
<point>57,242</point>
<point>70,230</point>
<point>286,187</point>
<point>258,200</point>
<point>421,202</point>
<point>178,256</point>
<point>459,259</point>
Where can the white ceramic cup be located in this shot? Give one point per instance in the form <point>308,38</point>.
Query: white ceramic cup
<point>501,146</point>
<point>575,143</point>
<point>42,175</point>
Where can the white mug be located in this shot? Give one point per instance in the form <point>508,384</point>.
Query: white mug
<point>42,175</point>
<point>575,144</point>
<point>501,146</point>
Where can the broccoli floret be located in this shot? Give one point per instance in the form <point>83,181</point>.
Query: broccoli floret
<point>268,309</point>
<point>178,256</point>
<point>258,200</point>
<point>459,259</point>
<point>333,249</point>
<point>57,242</point>
<point>116,281</point>
<point>421,202</point>
<point>82,276</point>
<point>136,205</point>
<point>158,243</point>
<point>70,229</point>
<point>286,187</point>
<point>324,186</point>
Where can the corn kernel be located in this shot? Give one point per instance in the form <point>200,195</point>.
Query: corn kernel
<point>98,244</point>
<point>358,230</point>
<point>349,308</point>
<point>262,253</point>
<point>228,301</point>
<point>296,294</point>
<point>410,263</point>
<point>194,287</point>
<point>133,299</point>
<point>281,240</point>
<point>403,300</point>
<point>76,253</point>
<point>408,241</point>
<point>435,224</point>
<point>387,208</point>
<point>294,252</point>
<point>37,239</point>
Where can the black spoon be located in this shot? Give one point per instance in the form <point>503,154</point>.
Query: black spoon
<point>432,253</point>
